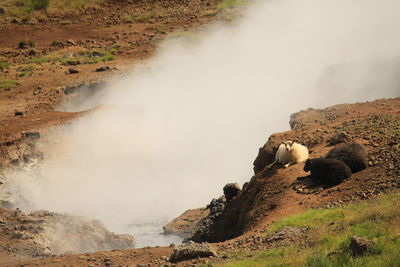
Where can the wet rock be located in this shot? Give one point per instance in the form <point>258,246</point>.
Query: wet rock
<point>360,246</point>
<point>231,190</point>
<point>192,250</point>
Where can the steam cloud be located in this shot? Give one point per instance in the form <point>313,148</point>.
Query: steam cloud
<point>178,128</point>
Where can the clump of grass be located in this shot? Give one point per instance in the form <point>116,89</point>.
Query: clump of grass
<point>115,49</point>
<point>27,68</point>
<point>331,230</point>
<point>224,5</point>
<point>4,65</point>
<point>25,71</point>
<point>129,19</point>
<point>26,43</point>
<point>8,84</point>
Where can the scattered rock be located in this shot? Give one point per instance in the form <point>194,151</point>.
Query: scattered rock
<point>37,90</point>
<point>72,62</point>
<point>72,71</point>
<point>360,246</point>
<point>103,69</point>
<point>97,54</point>
<point>192,250</point>
<point>231,190</point>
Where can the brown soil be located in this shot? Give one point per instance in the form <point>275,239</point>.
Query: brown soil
<point>270,195</point>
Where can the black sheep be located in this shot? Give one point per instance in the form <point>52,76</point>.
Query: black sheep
<point>352,154</point>
<point>327,171</point>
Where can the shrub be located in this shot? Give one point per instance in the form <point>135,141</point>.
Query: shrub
<point>26,43</point>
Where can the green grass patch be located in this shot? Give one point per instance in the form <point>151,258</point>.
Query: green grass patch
<point>84,57</point>
<point>24,8</point>
<point>40,60</point>
<point>8,84</point>
<point>140,17</point>
<point>71,5</point>
<point>223,6</point>
<point>331,230</point>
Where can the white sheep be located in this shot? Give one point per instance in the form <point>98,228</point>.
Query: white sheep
<point>297,153</point>
<point>290,152</point>
<point>282,154</point>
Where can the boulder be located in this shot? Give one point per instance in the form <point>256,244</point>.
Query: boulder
<point>360,246</point>
<point>192,250</point>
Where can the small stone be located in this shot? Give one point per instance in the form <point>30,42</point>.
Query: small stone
<point>72,71</point>
<point>103,69</point>
<point>18,113</point>
<point>72,62</point>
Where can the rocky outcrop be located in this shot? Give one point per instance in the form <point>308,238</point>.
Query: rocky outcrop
<point>50,233</point>
<point>185,225</point>
<point>64,233</point>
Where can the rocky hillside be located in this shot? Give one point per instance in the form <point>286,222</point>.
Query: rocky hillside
<point>277,192</point>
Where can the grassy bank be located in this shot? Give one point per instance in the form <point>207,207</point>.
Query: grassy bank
<point>331,231</point>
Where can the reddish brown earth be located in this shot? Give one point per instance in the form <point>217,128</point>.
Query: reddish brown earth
<point>270,195</point>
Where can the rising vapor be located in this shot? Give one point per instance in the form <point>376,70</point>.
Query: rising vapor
<point>176,129</point>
